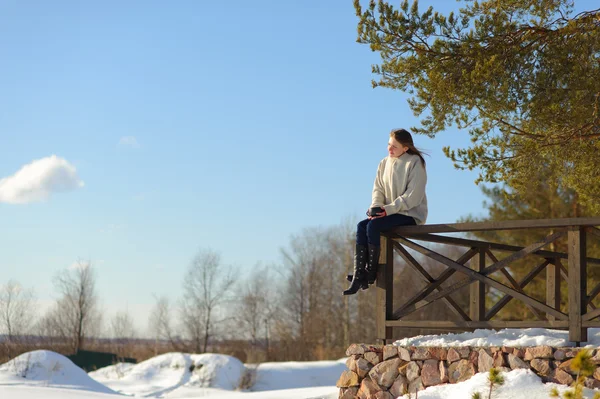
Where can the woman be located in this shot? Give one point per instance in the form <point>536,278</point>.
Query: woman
<point>398,200</point>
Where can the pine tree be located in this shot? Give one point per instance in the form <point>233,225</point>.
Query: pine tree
<point>545,200</point>
<point>522,76</point>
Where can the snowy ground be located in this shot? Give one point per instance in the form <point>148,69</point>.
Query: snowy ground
<point>48,375</point>
<point>508,337</point>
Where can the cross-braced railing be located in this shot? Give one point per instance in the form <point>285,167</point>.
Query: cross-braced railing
<point>571,266</point>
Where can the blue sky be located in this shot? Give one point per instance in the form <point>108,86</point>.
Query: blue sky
<point>191,124</point>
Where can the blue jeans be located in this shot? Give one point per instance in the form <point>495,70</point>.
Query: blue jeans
<point>368,231</point>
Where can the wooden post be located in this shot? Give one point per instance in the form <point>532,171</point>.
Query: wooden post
<point>577,281</point>
<point>477,290</point>
<point>385,290</point>
<point>553,287</point>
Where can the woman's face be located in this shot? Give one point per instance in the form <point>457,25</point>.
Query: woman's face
<point>395,149</point>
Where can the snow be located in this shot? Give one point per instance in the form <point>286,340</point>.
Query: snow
<point>506,337</point>
<point>166,373</point>
<point>48,375</point>
<point>49,369</point>
<point>169,376</point>
<point>286,375</point>
<point>518,384</point>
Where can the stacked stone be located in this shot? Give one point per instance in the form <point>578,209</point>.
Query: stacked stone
<point>386,372</point>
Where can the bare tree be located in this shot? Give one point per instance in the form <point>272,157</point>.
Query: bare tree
<point>17,312</point>
<point>75,315</point>
<point>206,286</point>
<point>257,307</point>
<point>122,331</point>
<point>313,309</point>
<point>121,326</point>
<point>17,309</point>
<point>159,322</point>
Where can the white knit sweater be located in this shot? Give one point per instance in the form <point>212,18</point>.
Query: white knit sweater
<point>400,187</point>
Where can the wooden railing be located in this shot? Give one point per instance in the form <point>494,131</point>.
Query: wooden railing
<point>571,266</point>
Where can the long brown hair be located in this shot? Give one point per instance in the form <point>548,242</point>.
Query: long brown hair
<point>403,137</point>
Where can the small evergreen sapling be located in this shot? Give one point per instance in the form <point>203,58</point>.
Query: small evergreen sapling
<point>495,379</point>
<point>584,367</point>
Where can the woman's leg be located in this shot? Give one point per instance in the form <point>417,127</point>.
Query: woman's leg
<point>359,278</point>
<point>374,230</point>
<point>376,226</point>
<point>361,232</point>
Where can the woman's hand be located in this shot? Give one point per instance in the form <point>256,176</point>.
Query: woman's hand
<point>380,215</point>
<point>377,215</point>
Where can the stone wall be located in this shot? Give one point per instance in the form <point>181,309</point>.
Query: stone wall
<point>376,371</point>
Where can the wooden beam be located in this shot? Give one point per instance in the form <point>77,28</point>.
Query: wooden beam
<point>425,276</point>
<point>477,290</point>
<point>522,284</point>
<point>496,225</point>
<point>388,260</point>
<point>522,253</point>
<point>592,323</point>
<point>463,325</point>
<point>464,242</point>
<point>577,283</point>
<point>515,285</point>
<point>591,315</point>
<point>563,270</point>
<point>552,287</point>
<point>409,306</point>
<point>594,293</point>
<point>384,286</point>
<point>473,275</point>
<point>593,230</point>
<point>564,274</point>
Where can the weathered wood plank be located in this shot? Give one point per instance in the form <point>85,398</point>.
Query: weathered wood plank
<point>462,325</point>
<point>425,276</point>
<point>594,293</point>
<point>593,230</point>
<point>552,287</point>
<point>382,287</point>
<point>563,269</point>
<point>406,308</point>
<point>592,323</point>
<point>522,284</point>
<point>463,242</point>
<point>388,260</point>
<point>477,290</point>
<point>577,283</point>
<point>522,253</point>
<point>515,285</point>
<point>496,225</point>
<point>591,315</point>
<point>472,275</point>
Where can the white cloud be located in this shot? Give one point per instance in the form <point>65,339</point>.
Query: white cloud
<point>128,141</point>
<point>38,180</point>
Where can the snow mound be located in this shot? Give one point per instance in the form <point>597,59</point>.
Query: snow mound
<point>113,372</point>
<point>519,384</point>
<point>506,337</point>
<point>216,371</point>
<point>48,368</point>
<point>166,373</point>
<point>288,375</point>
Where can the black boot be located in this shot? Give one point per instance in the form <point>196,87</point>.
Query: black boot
<point>360,277</point>
<point>371,266</point>
<point>373,263</point>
